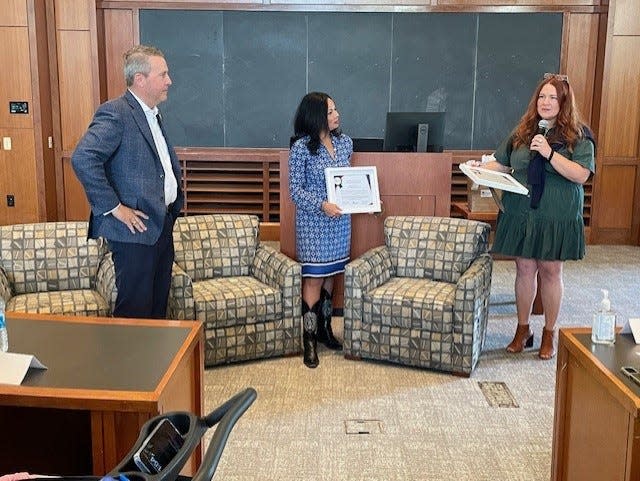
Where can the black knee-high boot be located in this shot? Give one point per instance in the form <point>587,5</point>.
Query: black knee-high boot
<point>310,329</point>
<point>325,333</point>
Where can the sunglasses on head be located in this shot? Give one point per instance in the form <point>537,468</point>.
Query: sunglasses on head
<point>557,76</point>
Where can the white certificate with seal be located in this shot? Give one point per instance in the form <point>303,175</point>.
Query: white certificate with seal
<point>353,189</point>
<point>492,178</point>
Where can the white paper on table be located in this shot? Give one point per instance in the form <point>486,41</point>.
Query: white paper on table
<point>633,326</point>
<point>14,367</point>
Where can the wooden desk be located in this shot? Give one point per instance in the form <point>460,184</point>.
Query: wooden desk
<point>596,432</point>
<point>105,378</point>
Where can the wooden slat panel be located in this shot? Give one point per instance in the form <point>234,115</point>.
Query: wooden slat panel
<point>616,187</point>
<point>76,85</point>
<point>16,81</point>
<point>74,14</point>
<point>13,13</point>
<point>119,30</point>
<point>620,121</point>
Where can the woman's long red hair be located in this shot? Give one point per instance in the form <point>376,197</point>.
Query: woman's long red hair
<point>568,127</point>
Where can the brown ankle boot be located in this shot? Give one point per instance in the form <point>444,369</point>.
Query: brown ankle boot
<point>522,339</point>
<point>548,344</point>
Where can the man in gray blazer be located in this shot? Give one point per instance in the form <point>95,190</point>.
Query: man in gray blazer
<point>131,176</point>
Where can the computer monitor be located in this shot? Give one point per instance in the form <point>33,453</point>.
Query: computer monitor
<point>367,144</point>
<point>414,132</point>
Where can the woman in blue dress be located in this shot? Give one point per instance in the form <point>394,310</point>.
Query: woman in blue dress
<point>323,233</point>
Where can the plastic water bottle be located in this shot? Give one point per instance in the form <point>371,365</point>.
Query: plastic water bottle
<point>4,336</point>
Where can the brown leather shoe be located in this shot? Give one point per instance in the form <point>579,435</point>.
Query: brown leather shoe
<point>522,339</point>
<point>548,344</point>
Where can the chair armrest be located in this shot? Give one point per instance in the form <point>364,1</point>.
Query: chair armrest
<point>181,304</point>
<point>5,287</point>
<point>471,305</point>
<point>370,270</point>
<point>106,281</point>
<point>280,272</point>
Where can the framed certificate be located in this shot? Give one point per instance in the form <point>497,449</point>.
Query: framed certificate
<point>353,189</point>
<point>491,178</point>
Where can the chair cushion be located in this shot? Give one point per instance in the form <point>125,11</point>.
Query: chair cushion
<point>411,303</point>
<point>215,245</point>
<point>231,301</point>
<point>49,256</point>
<point>438,248</point>
<point>80,302</point>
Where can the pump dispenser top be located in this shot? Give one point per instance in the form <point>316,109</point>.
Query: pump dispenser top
<point>605,304</point>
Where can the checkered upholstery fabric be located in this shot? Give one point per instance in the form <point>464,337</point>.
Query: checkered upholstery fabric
<point>246,294</point>
<point>208,246</point>
<point>422,299</point>
<point>51,267</point>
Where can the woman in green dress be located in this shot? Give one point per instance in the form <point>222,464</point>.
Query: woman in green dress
<point>554,159</point>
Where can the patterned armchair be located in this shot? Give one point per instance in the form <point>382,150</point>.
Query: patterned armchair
<point>421,299</point>
<point>52,268</point>
<point>245,293</point>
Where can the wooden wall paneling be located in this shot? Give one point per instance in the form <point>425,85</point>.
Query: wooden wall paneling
<point>16,81</point>
<point>73,15</point>
<point>13,13</point>
<point>581,58</point>
<point>76,205</point>
<point>119,30</point>
<point>18,170</point>
<point>621,99</point>
<point>77,85</point>
<point>626,20</point>
<point>524,3</point>
<point>619,182</point>
<point>42,115</point>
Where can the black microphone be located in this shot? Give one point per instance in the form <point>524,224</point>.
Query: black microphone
<point>543,127</point>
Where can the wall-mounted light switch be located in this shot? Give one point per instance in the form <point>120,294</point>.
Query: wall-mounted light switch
<point>6,143</point>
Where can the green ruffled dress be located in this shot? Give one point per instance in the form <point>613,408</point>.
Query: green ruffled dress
<point>553,231</point>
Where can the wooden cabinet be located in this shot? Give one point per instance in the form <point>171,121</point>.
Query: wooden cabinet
<point>596,428</point>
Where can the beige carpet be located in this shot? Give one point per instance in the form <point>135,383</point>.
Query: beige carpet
<point>421,425</point>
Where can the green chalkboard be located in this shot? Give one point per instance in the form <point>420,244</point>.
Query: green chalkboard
<point>238,76</point>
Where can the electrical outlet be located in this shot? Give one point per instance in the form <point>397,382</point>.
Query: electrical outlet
<point>6,143</point>
<point>11,200</point>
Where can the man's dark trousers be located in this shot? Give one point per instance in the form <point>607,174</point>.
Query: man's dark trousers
<point>143,275</point>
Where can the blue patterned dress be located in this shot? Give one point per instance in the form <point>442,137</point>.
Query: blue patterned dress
<point>322,242</point>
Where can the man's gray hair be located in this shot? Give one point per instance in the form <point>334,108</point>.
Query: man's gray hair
<point>136,60</point>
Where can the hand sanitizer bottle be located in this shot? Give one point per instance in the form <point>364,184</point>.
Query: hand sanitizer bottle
<point>604,322</point>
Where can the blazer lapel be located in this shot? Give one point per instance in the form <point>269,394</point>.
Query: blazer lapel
<point>141,120</point>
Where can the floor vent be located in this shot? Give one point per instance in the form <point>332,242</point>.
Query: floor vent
<point>497,394</point>
<point>363,426</point>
